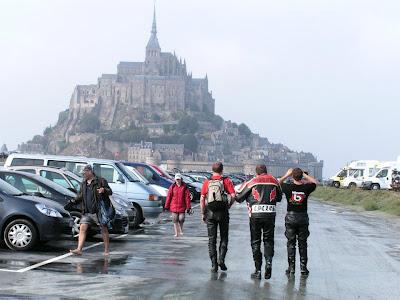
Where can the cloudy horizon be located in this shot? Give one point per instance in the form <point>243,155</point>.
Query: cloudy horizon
<point>317,76</point>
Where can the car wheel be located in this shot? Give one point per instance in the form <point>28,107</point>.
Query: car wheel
<point>336,184</point>
<point>375,186</point>
<point>137,216</point>
<point>76,216</point>
<point>191,196</point>
<point>352,185</point>
<point>20,235</point>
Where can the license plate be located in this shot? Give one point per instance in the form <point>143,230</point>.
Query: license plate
<point>263,208</point>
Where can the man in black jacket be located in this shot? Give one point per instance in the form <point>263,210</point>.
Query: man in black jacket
<point>261,193</point>
<point>93,190</point>
<point>296,221</point>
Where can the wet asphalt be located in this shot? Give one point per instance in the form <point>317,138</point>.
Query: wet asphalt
<point>352,255</point>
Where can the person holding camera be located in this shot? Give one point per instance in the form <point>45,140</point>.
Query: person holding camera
<point>178,201</point>
<point>296,220</point>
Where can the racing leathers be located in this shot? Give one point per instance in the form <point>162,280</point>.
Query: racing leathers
<point>296,222</point>
<point>261,193</point>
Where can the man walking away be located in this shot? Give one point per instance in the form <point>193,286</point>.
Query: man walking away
<point>261,193</point>
<point>96,206</point>
<point>178,201</point>
<point>296,221</point>
<point>217,195</point>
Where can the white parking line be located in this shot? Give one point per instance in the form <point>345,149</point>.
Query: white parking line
<point>57,258</point>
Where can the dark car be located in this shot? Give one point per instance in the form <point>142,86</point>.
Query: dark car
<point>150,174</point>
<point>25,220</point>
<point>36,185</point>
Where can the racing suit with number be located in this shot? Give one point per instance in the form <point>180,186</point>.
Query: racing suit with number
<point>261,193</point>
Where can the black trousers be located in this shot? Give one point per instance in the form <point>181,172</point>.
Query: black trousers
<point>262,228</point>
<point>297,231</point>
<point>221,221</point>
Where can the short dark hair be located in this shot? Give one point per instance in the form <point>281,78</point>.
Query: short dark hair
<point>217,167</point>
<point>261,169</point>
<point>297,174</point>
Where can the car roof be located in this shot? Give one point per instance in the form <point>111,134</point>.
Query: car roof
<point>60,157</point>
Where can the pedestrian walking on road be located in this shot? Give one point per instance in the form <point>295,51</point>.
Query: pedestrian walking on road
<point>97,209</point>
<point>217,196</point>
<point>296,220</point>
<point>261,193</point>
<point>178,201</point>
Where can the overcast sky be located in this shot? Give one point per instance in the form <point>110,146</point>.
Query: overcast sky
<point>319,76</point>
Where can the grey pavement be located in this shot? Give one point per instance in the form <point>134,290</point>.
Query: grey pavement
<point>352,255</point>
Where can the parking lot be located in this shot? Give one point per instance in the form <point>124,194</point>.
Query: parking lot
<point>352,256</point>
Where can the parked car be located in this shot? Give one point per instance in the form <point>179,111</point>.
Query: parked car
<point>36,185</point>
<point>161,190</point>
<point>144,198</point>
<point>72,182</point>
<point>25,220</point>
<point>150,174</point>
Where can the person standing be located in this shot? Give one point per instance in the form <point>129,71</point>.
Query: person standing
<point>217,195</point>
<point>261,193</point>
<point>96,208</point>
<point>178,201</point>
<point>296,220</point>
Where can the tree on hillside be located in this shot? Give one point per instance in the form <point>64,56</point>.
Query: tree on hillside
<point>244,130</point>
<point>189,141</point>
<point>89,123</point>
<point>187,125</point>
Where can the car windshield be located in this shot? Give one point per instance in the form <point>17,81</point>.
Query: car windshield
<point>128,173</point>
<point>137,174</point>
<point>8,189</point>
<point>54,186</point>
<point>342,173</point>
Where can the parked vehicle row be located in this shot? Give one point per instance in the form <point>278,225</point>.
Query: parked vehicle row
<point>367,174</point>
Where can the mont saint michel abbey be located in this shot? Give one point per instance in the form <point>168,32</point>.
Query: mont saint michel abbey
<point>161,84</point>
<point>136,114</point>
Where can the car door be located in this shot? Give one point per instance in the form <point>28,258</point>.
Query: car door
<point>28,186</point>
<point>383,178</point>
<point>56,178</point>
<point>114,178</point>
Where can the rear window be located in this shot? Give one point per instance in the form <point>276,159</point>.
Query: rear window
<point>74,167</point>
<point>27,162</point>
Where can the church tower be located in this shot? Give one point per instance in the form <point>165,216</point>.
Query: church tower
<point>153,51</point>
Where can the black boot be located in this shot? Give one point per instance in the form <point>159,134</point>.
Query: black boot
<point>222,265</point>
<point>303,267</point>
<point>256,274</point>
<point>268,268</point>
<point>292,266</point>
<point>214,265</point>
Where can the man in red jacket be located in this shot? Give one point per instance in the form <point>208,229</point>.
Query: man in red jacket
<point>178,201</point>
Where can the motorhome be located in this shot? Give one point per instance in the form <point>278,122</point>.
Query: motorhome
<point>383,178</point>
<point>354,174</point>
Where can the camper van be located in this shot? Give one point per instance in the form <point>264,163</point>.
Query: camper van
<point>145,200</point>
<point>383,178</point>
<point>355,173</point>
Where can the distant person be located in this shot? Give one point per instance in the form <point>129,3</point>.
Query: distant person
<point>97,209</point>
<point>178,201</point>
<point>217,195</point>
<point>296,221</point>
<point>261,193</point>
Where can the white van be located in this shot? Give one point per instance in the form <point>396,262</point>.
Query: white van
<point>355,173</point>
<point>146,201</point>
<point>382,179</point>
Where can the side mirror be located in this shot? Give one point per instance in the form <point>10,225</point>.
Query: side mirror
<point>38,194</point>
<point>120,179</point>
<point>154,177</point>
<point>73,190</point>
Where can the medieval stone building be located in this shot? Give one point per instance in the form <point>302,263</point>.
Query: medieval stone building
<point>161,84</point>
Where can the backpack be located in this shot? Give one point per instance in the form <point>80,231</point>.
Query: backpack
<point>216,196</point>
